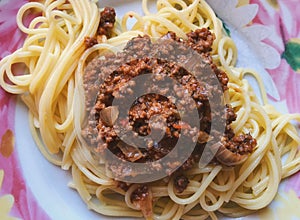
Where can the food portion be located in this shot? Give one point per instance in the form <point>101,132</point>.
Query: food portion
<point>162,59</point>
<point>173,87</point>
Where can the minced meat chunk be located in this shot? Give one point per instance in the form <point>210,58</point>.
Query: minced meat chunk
<point>181,182</point>
<point>107,21</point>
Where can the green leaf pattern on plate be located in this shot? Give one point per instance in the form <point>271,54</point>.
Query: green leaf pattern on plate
<point>292,54</point>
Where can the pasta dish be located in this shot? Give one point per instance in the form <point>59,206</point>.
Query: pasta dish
<point>149,112</point>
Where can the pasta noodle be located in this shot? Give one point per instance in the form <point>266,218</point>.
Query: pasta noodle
<point>55,57</point>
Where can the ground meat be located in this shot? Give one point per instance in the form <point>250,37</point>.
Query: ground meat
<point>107,21</point>
<point>140,193</point>
<point>124,186</point>
<point>241,144</point>
<point>181,182</point>
<point>90,41</point>
<point>229,114</point>
<point>106,25</point>
<point>200,40</point>
<point>149,106</point>
<point>112,78</point>
<point>141,197</point>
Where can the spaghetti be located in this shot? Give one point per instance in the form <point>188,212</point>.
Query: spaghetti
<point>55,57</point>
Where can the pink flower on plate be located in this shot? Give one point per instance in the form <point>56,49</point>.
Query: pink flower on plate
<point>25,205</point>
<point>282,17</point>
<point>11,38</point>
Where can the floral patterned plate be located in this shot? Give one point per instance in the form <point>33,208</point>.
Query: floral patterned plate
<point>32,188</point>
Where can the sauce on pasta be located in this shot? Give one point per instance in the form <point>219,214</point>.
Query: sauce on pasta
<point>55,56</point>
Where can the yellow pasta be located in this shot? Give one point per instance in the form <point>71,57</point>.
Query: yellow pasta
<point>55,57</point>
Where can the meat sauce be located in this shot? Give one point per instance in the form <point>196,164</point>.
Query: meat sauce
<point>106,25</point>
<point>139,57</point>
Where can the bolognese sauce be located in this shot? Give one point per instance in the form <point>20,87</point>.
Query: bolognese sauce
<point>139,57</point>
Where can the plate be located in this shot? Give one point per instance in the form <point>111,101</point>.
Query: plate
<point>35,189</point>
